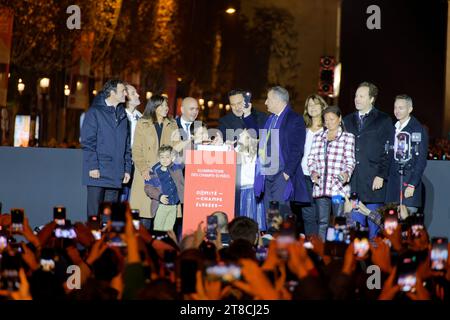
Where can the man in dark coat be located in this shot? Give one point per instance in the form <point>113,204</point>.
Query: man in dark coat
<point>105,142</point>
<point>189,113</point>
<point>279,175</point>
<point>234,121</point>
<point>415,166</point>
<point>372,129</point>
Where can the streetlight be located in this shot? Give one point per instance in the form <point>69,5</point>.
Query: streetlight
<point>66,90</point>
<point>230,10</point>
<point>44,83</point>
<point>20,86</point>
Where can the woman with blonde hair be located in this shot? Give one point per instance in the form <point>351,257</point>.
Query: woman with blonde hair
<point>314,107</point>
<point>246,202</point>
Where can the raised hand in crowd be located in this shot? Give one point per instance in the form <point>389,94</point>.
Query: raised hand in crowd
<point>381,255</point>
<point>208,290</point>
<point>84,235</point>
<point>255,282</point>
<point>390,287</point>
<point>319,248</point>
<point>396,239</point>
<point>419,292</point>
<point>298,260</point>
<point>24,289</point>
<point>29,258</point>
<point>349,265</point>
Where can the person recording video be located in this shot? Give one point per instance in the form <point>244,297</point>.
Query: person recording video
<point>409,153</point>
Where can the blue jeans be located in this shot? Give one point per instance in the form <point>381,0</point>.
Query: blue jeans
<point>309,213</point>
<point>364,221</point>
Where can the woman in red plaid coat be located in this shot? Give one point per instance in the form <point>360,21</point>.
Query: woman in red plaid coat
<point>331,163</point>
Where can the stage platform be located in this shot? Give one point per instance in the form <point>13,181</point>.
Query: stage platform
<point>37,179</point>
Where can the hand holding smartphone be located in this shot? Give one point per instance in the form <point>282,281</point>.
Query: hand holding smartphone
<point>439,254</point>
<point>59,215</point>
<point>17,217</point>
<point>390,222</point>
<point>406,272</point>
<point>361,243</point>
<point>285,238</point>
<point>223,272</point>
<point>136,218</point>
<point>247,99</point>
<point>354,200</point>
<point>94,225</point>
<point>9,272</point>
<point>211,228</point>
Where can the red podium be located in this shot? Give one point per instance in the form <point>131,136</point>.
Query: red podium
<point>210,183</point>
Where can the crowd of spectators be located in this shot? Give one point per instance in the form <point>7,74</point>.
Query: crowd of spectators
<point>439,149</point>
<point>234,262</point>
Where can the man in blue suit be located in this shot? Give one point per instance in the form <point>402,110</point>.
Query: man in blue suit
<point>413,169</point>
<point>279,175</point>
<point>105,142</point>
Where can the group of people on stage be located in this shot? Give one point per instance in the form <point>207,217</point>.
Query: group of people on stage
<point>283,157</point>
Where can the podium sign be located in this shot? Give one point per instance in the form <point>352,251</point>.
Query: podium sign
<point>210,181</point>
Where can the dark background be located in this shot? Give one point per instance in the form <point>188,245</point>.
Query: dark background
<point>407,55</point>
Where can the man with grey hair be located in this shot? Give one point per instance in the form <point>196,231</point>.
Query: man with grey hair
<point>189,113</point>
<point>413,168</point>
<point>279,175</point>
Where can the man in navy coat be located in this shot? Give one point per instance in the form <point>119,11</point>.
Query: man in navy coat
<point>372,129</point>
<point>105,142</point>
<point>279,175</point>
<point>414,167</point>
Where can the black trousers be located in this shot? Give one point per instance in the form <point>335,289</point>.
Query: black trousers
<point>97,195</point>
